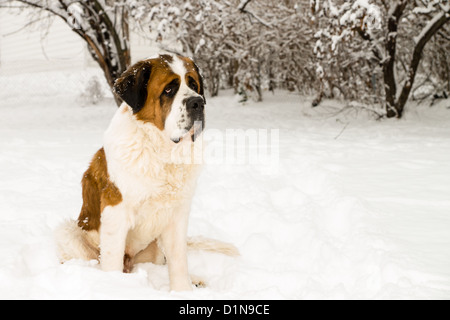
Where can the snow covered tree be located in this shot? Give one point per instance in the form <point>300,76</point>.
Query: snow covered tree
<point>251,46</point>
<point>102,24</point>
<point>387,38</point>
<point>373,51</point>
<point>209,31</point>
<point>429,17</point>
<point>344,66</point>
<point>280,42</point>
<point>202,30</point>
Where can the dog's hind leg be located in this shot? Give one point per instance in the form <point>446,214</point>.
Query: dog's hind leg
<point>152,253</point>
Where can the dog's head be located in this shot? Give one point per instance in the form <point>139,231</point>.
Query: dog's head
<point>168,92</point>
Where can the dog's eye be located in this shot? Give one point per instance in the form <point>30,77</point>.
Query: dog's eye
<point>193,85</point>
<point>171,89</point>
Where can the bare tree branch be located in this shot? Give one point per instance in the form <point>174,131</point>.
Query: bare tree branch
<point>107,40</point>
<point>421,41</point>
<point>242,8</point>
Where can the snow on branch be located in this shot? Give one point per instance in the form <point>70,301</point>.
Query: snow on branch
<point>242,8</point>
<point>437,20</point>
<point>243,4</point>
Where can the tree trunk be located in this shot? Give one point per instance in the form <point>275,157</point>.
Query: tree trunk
<point>396,100</point>
<point>390,81</point>
<point>430,30</point>
<point>111,50</point>
<point>107,40</point>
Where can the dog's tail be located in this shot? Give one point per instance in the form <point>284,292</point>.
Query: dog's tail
<point>154,254</point>
<point>72,242</point>
<point>211,245</point>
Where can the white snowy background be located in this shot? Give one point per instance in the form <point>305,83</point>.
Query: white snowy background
<point>362,212</point>
<point>353,208</point>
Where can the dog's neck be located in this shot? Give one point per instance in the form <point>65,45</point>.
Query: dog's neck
<point>143,149</point>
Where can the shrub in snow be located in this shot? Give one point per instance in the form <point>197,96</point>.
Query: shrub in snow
<point>93,92</point>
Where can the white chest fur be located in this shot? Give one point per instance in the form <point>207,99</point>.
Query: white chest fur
<point>154,190</point>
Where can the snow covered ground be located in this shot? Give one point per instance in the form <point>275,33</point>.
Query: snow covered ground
<point>353,208</point>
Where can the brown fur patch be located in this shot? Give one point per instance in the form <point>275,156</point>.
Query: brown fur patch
<point>156,108</point>
<point>142,87</point>
<point>98,193</point>
<point>194,73</point>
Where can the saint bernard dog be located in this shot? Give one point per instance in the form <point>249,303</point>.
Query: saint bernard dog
<point>136,196</point>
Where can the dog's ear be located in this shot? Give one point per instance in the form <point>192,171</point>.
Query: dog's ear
<point>131,87</point>
<point>202,85</point>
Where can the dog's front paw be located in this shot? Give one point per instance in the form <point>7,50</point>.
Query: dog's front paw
<point>127,264</point>
<point>198,282</point>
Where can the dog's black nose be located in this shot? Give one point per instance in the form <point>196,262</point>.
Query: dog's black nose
<point>195,103</point>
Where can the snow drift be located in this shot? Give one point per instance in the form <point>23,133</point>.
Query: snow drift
<point>353,209</point>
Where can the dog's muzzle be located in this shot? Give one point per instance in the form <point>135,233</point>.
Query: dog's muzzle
<point>195,107</point>
<point>193,120</point>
